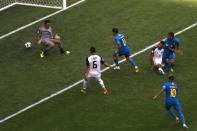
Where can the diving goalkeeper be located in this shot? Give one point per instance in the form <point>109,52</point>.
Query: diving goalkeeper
<point>45,37</point>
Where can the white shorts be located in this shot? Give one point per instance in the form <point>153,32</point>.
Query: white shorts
<point>46,41</point>
<point>157,61</point>
<point>94,75</point>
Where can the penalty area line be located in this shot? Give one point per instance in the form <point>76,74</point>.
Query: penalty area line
<point>80,81</point>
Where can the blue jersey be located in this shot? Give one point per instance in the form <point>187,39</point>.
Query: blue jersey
<point>120,41</point>
<point>170,44</point>
<point>171,90</point>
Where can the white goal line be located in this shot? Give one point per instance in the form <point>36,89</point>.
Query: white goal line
<point>41,19</point>
<point>80,81</point>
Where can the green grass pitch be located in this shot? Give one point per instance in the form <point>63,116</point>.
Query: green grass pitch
<point>25,78</point>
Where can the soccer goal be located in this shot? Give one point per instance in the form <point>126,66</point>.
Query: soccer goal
<point>57,4</point>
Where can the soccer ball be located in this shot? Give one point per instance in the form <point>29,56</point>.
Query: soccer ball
<point>28,45</point>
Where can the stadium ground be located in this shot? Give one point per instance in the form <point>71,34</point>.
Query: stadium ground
<point>26,78</point>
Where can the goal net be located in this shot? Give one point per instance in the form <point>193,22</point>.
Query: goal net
<point>57,4</point>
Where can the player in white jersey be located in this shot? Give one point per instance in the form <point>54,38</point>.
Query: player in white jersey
<point>93,70</point>
<point>156,57</point>
<point>45,36</point>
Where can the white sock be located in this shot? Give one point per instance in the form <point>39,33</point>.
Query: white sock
<point>161,70</point>
<point>101,83</point>
<point>85,83</point>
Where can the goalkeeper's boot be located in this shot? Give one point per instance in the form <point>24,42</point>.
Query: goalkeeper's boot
<point>42,55</point>
<point>83,90</point>
<point>62,51</point>
<point>105,92</point>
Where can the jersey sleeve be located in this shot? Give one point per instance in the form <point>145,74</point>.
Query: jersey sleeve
<point>102,60</point>
<point>87,62</point>
<point>164,40</point>
<point>152,51</point>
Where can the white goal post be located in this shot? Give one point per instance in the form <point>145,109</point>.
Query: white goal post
<point>56,4</point>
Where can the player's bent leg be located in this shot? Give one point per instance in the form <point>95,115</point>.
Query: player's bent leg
<point>56,41</point>
<point>115,58</point>
<point>172,61</point>
<point>165,61</point>
<point>105,92</point>
<point>85,83</point>
<point>160,69</point>
<point>181,115</point>
<point>172,113</point>
<point>132,63</point>
<point>60,45</point>
<point>172,64</point>
<point>158,65</point>
<point>47,45</point>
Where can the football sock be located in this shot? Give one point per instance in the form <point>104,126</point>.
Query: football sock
<point>160,70</point>
<point>132,62</point>
<point>85,83</point>
<point>45,50</point>
<point>101,83</point>
<point>116,62</point>
<point>61,48</point>
<point>181,117</point>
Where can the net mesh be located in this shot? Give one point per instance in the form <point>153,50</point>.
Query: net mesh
<point>57,3</point>
<point>4,3</point>
<point>51,3</point>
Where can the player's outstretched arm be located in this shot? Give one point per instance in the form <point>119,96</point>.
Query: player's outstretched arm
<point>178,51</point>
<point>158,94</point>
<point>107,65</point>
<point>104,63</point>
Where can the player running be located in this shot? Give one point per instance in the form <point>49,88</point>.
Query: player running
<point>45,36</point>
<point>171,89</point>
<point>171,44</point>
<point>93,70</point>
<point>156,57</point>
<point>123,49</point>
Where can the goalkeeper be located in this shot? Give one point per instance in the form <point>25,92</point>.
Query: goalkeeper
<point>45,37</point>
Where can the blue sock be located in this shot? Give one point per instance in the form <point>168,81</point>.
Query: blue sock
<point>132,62</point>
<point>171,113</point>
<point>116,62</point>
<point>181,117</point>
<point>168,65</point>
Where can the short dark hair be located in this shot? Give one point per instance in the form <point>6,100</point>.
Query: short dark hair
<point>115,30</point>
<point>171,34</point>
<point>92,49</point>
<point>162,42</point>
<point>47,21</point>
<point>171,77</point>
